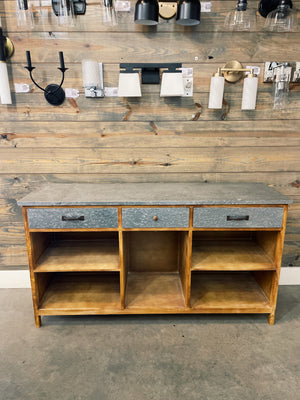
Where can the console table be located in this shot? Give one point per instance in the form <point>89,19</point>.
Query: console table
<point>159,248</point>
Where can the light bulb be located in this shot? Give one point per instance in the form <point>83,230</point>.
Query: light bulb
<point>241,18</point>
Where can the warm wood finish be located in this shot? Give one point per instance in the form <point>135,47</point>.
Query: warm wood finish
<point>80,256</point>
<point>232,291</point>
<point>230,256</point>
<point>81,294</point>
<point>154,293</point>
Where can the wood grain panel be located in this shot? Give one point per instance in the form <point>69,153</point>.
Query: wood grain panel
<point>147,160</point>
<point>118,47</point>
<point>143,134</point>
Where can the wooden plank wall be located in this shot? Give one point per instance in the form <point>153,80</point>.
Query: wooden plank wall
<point>148,139</point>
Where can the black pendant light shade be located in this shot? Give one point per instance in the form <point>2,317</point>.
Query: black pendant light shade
<point>188,12</point>
<point>146,12</point>
<point>266,6</point>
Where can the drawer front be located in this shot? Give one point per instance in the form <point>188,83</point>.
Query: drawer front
<point>155,217</point>
<point>238,217</point>
<point>66,218</point>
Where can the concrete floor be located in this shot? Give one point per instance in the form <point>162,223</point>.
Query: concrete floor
<point>149,357</point>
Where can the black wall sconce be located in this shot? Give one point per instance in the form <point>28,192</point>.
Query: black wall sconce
<point>172,84</point>
<point>187,11</point>
<point>53,93</point>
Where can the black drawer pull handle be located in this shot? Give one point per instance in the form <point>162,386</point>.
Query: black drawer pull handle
<point>237,217</point>
<point>64,218</point>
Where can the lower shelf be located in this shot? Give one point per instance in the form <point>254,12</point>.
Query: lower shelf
<point>227,293</point>
<point>82,293</point>
<point>154,293</point>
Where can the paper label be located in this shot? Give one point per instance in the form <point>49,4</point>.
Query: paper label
<point>111,92</point>
<point>122,6</point>
<point>205,6</point>
<point>71,93</point>
<point>255,68</point>
<point>22,88</point>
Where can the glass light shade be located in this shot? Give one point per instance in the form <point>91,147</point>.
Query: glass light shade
<point>216,92</point>
<point>171,84</point>
<point>266,6</point>
<point>66,13</point>
<point>249,93</point>
<point>188,12</point>
<point>282,19</point>
<point>129,85</point>
<point>24,12</point>
<point>281,88</point>
<point>5,95</point>
<point>109,13</point>
<point>146,12</point>
<point>241,18</point>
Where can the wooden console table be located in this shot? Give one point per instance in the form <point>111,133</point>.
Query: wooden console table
<point>159,248</point>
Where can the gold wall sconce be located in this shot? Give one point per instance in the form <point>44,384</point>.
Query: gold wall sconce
<point>232,72</point>
<point>6,51</point>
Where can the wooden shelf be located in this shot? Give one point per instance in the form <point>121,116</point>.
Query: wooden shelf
<point>81,293</point>
<point>154,293</point>
<point>230,256</point>
<point>68,256</point>
<point>228,292</point>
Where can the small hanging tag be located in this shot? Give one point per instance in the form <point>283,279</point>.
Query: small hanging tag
<point>255,68</point>
<point>205,6</point>
<point>22,88</point>
<point>110,92</point>
<point>122,6</point>
<point>71,93</point>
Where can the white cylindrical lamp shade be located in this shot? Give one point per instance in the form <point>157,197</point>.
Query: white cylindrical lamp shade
<point>5,94</point>
<point>216,92</point>
<point>91,73</point>
<point>249,93</point>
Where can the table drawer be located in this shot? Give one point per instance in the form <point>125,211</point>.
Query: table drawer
<point>238,217</point>
<point>65,218</point>
<point>155,217</point>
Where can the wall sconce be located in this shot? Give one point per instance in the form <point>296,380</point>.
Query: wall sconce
<point>66,10</point>
<point>187,11</point>
<point>92,74</point>
<point>171,84</point>
<point>281,75</point>
<point>241,18</point>
<point>280,17</point>
<point>232,72</point>
<point>53,93</point>
<point>6,51</point>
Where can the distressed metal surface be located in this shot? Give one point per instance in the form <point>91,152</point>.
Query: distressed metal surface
<point>51,218</point>
<point>166,217</point>
<point>154,194</point>
<point>259,217</point>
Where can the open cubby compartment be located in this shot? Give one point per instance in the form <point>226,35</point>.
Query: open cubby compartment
<point>67,293</point>
<point>75,251</point>
<point>155,265</point>
<point>236,292</point>
<point>234,250</point>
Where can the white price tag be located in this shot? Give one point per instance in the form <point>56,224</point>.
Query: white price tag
<point>255,68</point>
<point>22,88</point>
<point>122,5</point>
<point>72,93</point>
<point>205,6</point>
<point>110,92</point>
